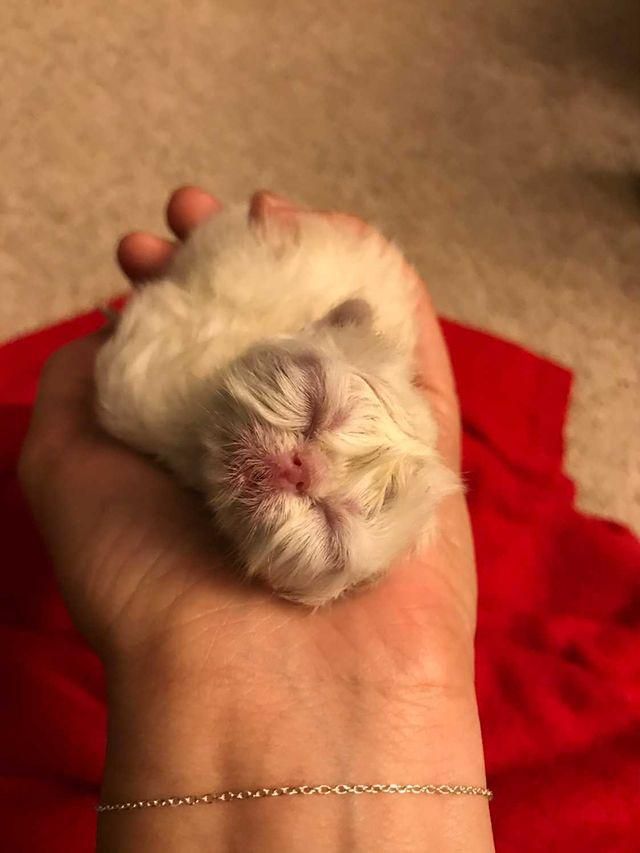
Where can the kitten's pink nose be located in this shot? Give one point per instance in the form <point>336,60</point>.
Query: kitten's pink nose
<point>292,472</point>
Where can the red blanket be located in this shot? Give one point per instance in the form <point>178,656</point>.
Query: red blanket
<point>558,642</point>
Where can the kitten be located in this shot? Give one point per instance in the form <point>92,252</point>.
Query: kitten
<point>272,370</point>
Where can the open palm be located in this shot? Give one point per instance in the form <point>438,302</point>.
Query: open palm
<point>136,562</point>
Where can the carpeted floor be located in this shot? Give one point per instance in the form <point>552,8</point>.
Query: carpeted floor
<point>497,140</point>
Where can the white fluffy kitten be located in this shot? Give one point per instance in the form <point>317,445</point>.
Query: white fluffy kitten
<point>272,370</point>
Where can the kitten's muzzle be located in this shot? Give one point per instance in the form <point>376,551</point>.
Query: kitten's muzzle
<point>300,471</point>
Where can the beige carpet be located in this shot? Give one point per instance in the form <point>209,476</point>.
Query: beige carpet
<point>497,140</point>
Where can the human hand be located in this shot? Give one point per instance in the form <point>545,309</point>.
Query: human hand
<point>351,687</point>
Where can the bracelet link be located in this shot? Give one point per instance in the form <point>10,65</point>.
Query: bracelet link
<point>294,790</point>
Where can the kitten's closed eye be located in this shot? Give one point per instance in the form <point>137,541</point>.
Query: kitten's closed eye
<point>391,493</point>
<point>315,418</point>
<point>315,390</point>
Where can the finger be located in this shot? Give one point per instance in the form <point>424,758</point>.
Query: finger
<point>188,207</point>
<point>144,256</point>
<point>435,377</point>
<point>264,202</point>
<point>434,365</point>
<point>347,222</point>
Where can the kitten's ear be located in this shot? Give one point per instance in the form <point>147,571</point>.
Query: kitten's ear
<point>351,312</point>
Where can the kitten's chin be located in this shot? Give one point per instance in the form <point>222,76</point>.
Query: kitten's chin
<point>323,588</point>
<point>308,551</point>
<point>304,556</point>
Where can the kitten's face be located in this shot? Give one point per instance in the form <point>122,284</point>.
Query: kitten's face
<point>318,469</point>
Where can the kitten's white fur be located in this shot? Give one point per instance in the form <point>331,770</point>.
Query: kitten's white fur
<point>253,346</point>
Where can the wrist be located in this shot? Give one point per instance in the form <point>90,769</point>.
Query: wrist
<point>224,735</point>
<point>172,732</point>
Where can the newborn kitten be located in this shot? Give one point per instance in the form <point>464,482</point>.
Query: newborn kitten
<point>272,370</point>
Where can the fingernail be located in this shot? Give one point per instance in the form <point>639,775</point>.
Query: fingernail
<point>264,204</point>
<point>277,202</point>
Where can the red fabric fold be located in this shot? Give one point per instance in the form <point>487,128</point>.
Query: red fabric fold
<point>558,652</point>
